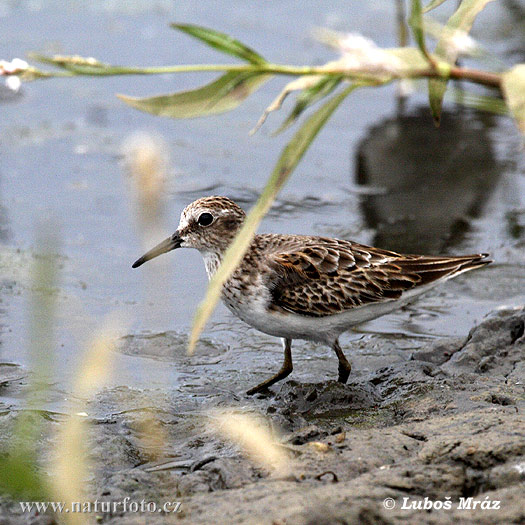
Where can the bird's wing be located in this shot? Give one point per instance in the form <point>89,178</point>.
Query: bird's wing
<point>329,276</point>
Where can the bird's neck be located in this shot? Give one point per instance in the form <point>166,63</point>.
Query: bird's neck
<point>213,257</point>
<point>212,261</point>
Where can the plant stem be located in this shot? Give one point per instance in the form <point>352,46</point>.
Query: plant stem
<point>473,75</point>
<point>477,76</point>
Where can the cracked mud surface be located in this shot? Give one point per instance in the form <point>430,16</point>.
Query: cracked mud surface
<point>446,423</point>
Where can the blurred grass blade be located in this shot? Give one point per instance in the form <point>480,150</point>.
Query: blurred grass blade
<point>483,103</point>
<point>287,162</point>
<point>416,23</point>
<point>432,5</point>
<point>310,96</point>
<point>254,437</point>
<point>513,86</point>
<point>19,474</point>
<point>222,42</point>
<point>461,20</point>
<point>71,466</point>
<point>224,94</point>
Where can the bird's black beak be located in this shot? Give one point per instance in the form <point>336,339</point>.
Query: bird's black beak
<point>171,243</point>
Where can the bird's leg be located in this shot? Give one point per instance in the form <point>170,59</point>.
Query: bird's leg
<point>286,369</point>
<point>344,365</point>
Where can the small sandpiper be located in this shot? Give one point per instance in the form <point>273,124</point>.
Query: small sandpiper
<point>305,287</point>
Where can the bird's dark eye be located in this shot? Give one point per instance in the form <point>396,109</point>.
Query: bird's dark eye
<point>205,219</point>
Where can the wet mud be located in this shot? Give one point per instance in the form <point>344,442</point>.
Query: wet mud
<point>442,428</point>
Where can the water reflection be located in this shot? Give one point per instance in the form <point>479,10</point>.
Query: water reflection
<point>9,92</point>
<point>514,16</point>
<point>4,237</point>
<point>4,228</point>
<point>435,181</point>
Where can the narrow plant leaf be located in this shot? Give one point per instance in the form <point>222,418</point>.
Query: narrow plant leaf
<point>224,94</point>
<point>300,83</point>
<point>324,86</point>
<point>222,42</point>
<point>513,85</point>
<point>287,162</point>
<point>416,23</point>
<point>432,5</point>
<point>19,467</point>
<point>408,60</point>
<point>460,21</point>
<point>72,462</point>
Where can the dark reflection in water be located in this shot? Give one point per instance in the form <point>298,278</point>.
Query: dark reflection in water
<point>434,180</point>
<point>515,12</point>
<point>516,224</point>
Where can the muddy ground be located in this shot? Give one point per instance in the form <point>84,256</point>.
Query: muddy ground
<point>445,428</point>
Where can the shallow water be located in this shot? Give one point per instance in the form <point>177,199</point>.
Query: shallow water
<point>372,176</point>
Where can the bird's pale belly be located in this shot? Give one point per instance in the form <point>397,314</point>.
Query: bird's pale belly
<point>293,326</point>
<point>254,311</point>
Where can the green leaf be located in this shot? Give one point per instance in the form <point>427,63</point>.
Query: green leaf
<point>299,84</point>
<point>310,96</point>
<point>513,86</point>
<point>416,23</point>
<point>19,476</point>
<point>224,94</point>
<point>432,5</point>
<point>409,58</point>
<point>461,20</point>
<point>20,473</point>
<point>222,42</point>
<point>287,162</point>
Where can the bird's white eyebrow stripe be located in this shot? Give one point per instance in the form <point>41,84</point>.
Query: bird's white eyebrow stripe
<point>215,212</point>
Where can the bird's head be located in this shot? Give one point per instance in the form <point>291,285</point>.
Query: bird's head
<point>208,224</point>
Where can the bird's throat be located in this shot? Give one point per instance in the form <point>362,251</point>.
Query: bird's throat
<point>212,262</point>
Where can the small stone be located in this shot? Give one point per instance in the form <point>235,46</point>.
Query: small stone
<point>339,438</point>
<point>320,447</point>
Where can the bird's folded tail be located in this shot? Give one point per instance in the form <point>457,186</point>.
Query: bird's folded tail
<point>433,268</point>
